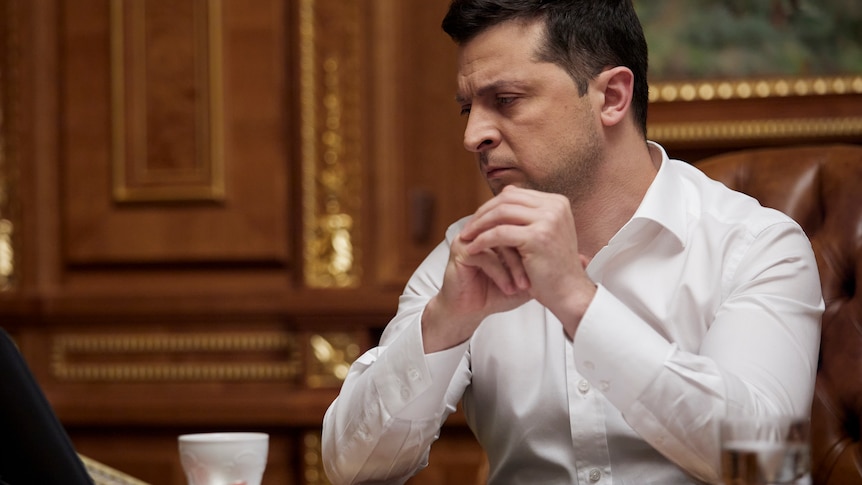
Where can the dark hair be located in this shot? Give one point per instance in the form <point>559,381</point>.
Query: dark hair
<point>582,36</point>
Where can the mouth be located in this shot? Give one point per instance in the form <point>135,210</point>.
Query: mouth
<point>493,172</point>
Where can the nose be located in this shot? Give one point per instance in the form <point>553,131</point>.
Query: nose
<point>480,133</point>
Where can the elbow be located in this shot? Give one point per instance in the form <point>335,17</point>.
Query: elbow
<point>333,457</point>
<point>335,466</point>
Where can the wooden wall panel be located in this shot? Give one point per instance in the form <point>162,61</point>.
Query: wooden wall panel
<point>167,101</point>
<point>215,203</point>
<point>175,132</point>
<point>423,176</point>
<point>126,391</point>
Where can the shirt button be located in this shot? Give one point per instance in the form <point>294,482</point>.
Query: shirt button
<point>583,386</point>
<point>405,393</point>
<point>413,374</point>
<point>595,475</point>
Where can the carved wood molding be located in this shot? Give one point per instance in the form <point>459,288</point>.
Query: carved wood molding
<point>832,90</point>
<point>318,360</point>
<point>768,129</point>
<point>167,116</point>
<point>176,357</point>
<point>331,60</point>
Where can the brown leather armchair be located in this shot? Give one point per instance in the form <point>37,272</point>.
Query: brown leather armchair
<point>821,188</point>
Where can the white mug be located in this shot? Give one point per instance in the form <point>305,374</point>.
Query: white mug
<point>230,458</point>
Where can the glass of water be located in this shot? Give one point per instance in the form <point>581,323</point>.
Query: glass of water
<point>765,450</point>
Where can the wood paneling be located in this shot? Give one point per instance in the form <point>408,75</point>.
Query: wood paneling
<point>424,179</point>
<point>214,204</point>
<point>167,101</point>
<point>148,173</point>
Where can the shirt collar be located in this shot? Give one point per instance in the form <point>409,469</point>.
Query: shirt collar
<point>664,202</point>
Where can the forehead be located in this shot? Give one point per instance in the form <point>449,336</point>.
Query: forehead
<point>509,47</point>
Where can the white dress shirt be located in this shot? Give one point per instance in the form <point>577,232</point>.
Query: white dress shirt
<point>708,305</point>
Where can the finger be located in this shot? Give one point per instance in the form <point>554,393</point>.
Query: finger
<point>503,236</point>
<point>490,263</point>
<point>501,215</point>
<point>512,207</point>
<point>513,262</point>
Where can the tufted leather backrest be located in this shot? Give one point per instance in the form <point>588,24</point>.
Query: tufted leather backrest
<point>821,188</point>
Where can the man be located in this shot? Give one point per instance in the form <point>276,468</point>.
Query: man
<point>608,306</point>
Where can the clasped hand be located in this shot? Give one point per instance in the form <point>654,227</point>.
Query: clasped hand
<point>520,245</point>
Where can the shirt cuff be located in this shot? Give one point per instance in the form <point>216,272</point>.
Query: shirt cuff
<point>617,351</point>
<point>414,385</point>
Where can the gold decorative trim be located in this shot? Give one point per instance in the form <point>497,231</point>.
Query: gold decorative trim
<point>754,88</point>
<point>331,150</point>
<point>7,252</point>
<point>755,129</point>
<point>332,355</point>
<point>8,155</point>
<point>181,357</point>
<point>312,460</point>
<point>209,121</point>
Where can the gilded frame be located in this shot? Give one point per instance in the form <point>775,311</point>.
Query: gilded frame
<point>830,90</point>
<point>699,97</point>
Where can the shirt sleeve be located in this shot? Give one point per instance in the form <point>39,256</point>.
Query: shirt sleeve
<point>758,356</point>
<point>395,398</point>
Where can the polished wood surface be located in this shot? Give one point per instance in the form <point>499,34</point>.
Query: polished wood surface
<point>216,203</point>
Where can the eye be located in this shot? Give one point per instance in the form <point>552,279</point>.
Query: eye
<point>505,100</point>
<point>465,110</point>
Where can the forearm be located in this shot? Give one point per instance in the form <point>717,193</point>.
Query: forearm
<point>389,411</point>
<point>754,353</point>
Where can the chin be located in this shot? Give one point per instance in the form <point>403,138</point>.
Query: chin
<point>496,186</point>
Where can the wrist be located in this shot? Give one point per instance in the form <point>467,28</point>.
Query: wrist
<point>442,329</point>
<point>575,307</point>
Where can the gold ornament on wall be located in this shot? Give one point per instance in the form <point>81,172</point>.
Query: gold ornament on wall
<point>312,460</point>
<point>8,158</point>
<point>330,57</point>
<point>332,353</point>
<point>120,357</point>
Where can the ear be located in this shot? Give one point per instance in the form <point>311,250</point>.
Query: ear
<point>616,85</point>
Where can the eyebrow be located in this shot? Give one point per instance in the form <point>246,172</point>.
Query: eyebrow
<point>493,87</point>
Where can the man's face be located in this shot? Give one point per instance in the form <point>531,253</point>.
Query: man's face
<point>526,121</point>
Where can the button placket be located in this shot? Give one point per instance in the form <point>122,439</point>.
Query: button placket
<point>413,374</point>
<point>587,425</point>
<point>584,386</point>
